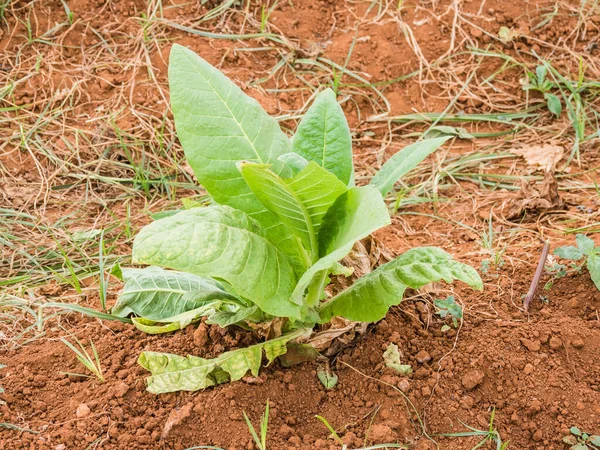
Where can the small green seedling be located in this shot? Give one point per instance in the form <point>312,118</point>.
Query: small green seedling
<point>538,82</point>
<point>579,440</point>
<point>261,442</point>
<point>327,376</point>
<point>490,435</point>
<point>334,434</point>
<point>585,250</point>
<point>448,306</point>
<point>92,364</point>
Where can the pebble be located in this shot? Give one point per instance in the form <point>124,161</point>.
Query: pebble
<point>423,357</point>
<point>382,433</point>
<point>555,343</point>
<point>472,379</point>
<point>83,410</point>
<point>528,369</point>
<point>578,343</point>
<point>404,385</point>
<point>532,346</point>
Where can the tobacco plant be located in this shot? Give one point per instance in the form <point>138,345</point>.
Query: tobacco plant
<point>284,212</point>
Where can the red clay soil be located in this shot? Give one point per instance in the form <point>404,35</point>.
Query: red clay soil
<point>539,371</point>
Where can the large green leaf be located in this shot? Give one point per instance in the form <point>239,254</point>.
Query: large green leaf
<point>323,136</point>
<point>354,215</point>
<point>218,125</point>
<point>157,294</point>
<point>369,299</point>
<point>299,202</point>
<point>225,244</point>
<point>403,162</point>
<point>171,373</point>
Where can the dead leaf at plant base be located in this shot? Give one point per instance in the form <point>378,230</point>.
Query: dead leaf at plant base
<point>540,157</point>
<point>534,198</point>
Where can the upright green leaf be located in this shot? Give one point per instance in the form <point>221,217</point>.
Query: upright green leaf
<point>593,265</point>
<point>224,244</point>
<point>299,202</point>
<point>218,125</point>
<point>354,215</point>
<point>403,162</point>
<point>323,136</point>
<point>369,299</point>
<point>171,373</point>
<point>157,294</point>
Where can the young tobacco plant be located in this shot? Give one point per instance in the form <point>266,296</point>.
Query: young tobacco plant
<point>585,250</point>
<point>284,213</point>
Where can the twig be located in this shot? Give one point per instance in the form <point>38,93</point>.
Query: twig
<point>537,276</point>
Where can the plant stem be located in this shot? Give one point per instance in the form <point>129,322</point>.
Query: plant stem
<point>315,288</point>
<point>537,276</point>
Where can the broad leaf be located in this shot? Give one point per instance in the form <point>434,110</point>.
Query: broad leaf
<point>323,136</point>
<point>226,317</point>
<point>369,299</point>
<point>171,373</point>
<point>157,294</point>
<point>299,202</point>
<point>354,215</point>
<point>585,244</point>
<point>593,265</point>
<point>225,244</point>
<point>218,125</point>
<point>569,252</point>
<point>403,162</point>
<point>294,162</point>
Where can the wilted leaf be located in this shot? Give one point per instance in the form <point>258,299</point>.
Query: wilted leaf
<point>544,157</point>
<point>171,373</point>
<point>391,357</point>
<point>507,34</point>
<point>534,198</point>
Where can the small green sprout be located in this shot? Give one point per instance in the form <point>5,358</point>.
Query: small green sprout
<point>92,364</point>
<point>578,440</point>
<point>585,250</point>
<point>448,306</point>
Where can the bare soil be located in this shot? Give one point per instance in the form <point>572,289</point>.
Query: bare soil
<point>538,370</point>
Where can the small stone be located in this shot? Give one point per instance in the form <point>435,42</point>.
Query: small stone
<point>83,410</point>
<point>349,438</point>
<point>382,433</point>
<point>538,436</point>
<point>286,431</point>
<point>120,389</point>
<point>577,343</point>
<point>528,369</point>
<point>476,32</point>
<point>532,346</point>
<point>555,343</point>
<point>535,406</point>
<point>295,440</point>
<point>472,379</point>
<point>426,391</point>
<point>423,357</point>
<point>580,406</point>
<point>404,385</point>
